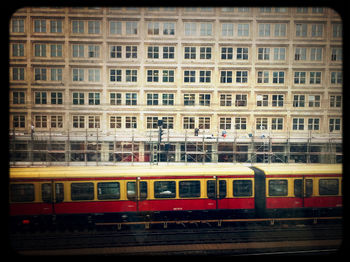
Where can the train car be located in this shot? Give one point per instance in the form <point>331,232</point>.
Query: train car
<point>299,189</point>
<point>86,195</point>
<point>116,194</point>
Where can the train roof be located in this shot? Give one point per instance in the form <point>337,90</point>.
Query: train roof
<point>300,169</point>
<point>127,171</point>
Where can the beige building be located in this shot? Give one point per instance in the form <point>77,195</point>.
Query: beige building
<point>88,85</point>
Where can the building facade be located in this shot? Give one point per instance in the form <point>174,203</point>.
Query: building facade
<point>88,85</point>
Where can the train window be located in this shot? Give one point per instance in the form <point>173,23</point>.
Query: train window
<point>131,190</point>
<point>46,192</point>
<point>143,190</point>
<point>59,192</point>
<point>298,188</point>
<point>211,192</point>
<point>82,191</point>
<point>108,190</point>
<point>242,188</point>
<point>328,187</point>
<point>278,187</point>
<point>164,189</point>
<point>189,189</point>
<point>222,188</point>
<point>308,187</point>
<point>22,192</point>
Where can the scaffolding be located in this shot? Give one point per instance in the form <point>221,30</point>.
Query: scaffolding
<point>94,147</point>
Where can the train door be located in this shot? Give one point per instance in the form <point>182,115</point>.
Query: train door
<point>137,192</point>
<point>303,189</point>
<point>58,197</point>
<point>216,190</point>
<point>51,194</point>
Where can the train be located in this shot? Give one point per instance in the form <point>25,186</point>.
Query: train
<point>46,196</point>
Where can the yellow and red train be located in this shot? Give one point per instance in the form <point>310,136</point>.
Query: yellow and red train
<point>104,194</point>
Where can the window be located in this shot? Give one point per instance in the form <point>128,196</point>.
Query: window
<point>241,76</point>
<point>225,100</point>
<point>131,99</point>
<point>168,99</point>
<point>227,29</point>
<point>204,99</point>
<point>226,77</point>
<point>314,101</point>
<point>164,189</point>
<point>78,74</point>
<point>153,28</point>
<point>152,122</point>
<point>108,190</point>
<point>40,26</point>
<point>277,123</point>
<point>56,26</point>
<point>168,76</point>
<point>261,123</point>
<point>241,100</point>
<point>82,191</point>
<point>280,30</point>
<point>78,98</point>
<point>93,27</point>
<point>56,121</point>
<point>190,29</point>
<point>131,28</point>
<point>300,54</point>
<point>189,189</point>
<point>313,124</point>
<point>262,100</point>
<point>242,188</point>
<point>226,53</point>
<point>40,121</point>
<point>152,99</point>
<point>334,124</point>
<point>301,30</point>
<point>190,52</point>
<point>115,51</point>
<point>40,74</point>
<point>299,101</point>
<point>131,190</point>
<point>225,122</point>
<point>17,49</point>
<point>168,28</point>
<point>240,123</point>
<point>152,75</point>
<point>211,189</point>
<point>299,77</point>
<point>188,123</point>
<point>115,98</point>
<point>279,53</point>
<point>315,77</point>
<point>222,188</point>
<point>298,188</point>
<point>204,123</point>
<point>130,122</point>
<point>278,77</point>
<point>22,192</point>
<point>204,76</point>
<point>78,26</point>
<point>316,54</point>
<point>153,52</point>
<point>18,98</point>
<point>298,123</point>
<point>19,121</point>
<point>94,98</point>
<point>131,75</point>
<point>316,30</point>
<point>328,187</point>
<point>264,53</point>
<point>168,122</point>
<point>78,121</point>
<point>278,187</point>
<point>242,53</point>
<point>115,75</point>
<point>40,98</point>
<point>189,99</point>
<point>94,121</point>
<point>168,52</point>
<point>243,30</point>
<point>115,28</point>
<point>18,73</point>
<point>263,77</point>
<point>264,30</point>
<point>131,51</point>
<point>336,78</point>
<point>189,76</point>
<point>17,25</point>
<point>206,29</point>
<point>205,53</point>
<point>337,54</point>
<point>94,75</point>
<point>115,122</point>
<point>335,101</point>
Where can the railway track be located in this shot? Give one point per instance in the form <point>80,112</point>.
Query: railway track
<point>159,240</point>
